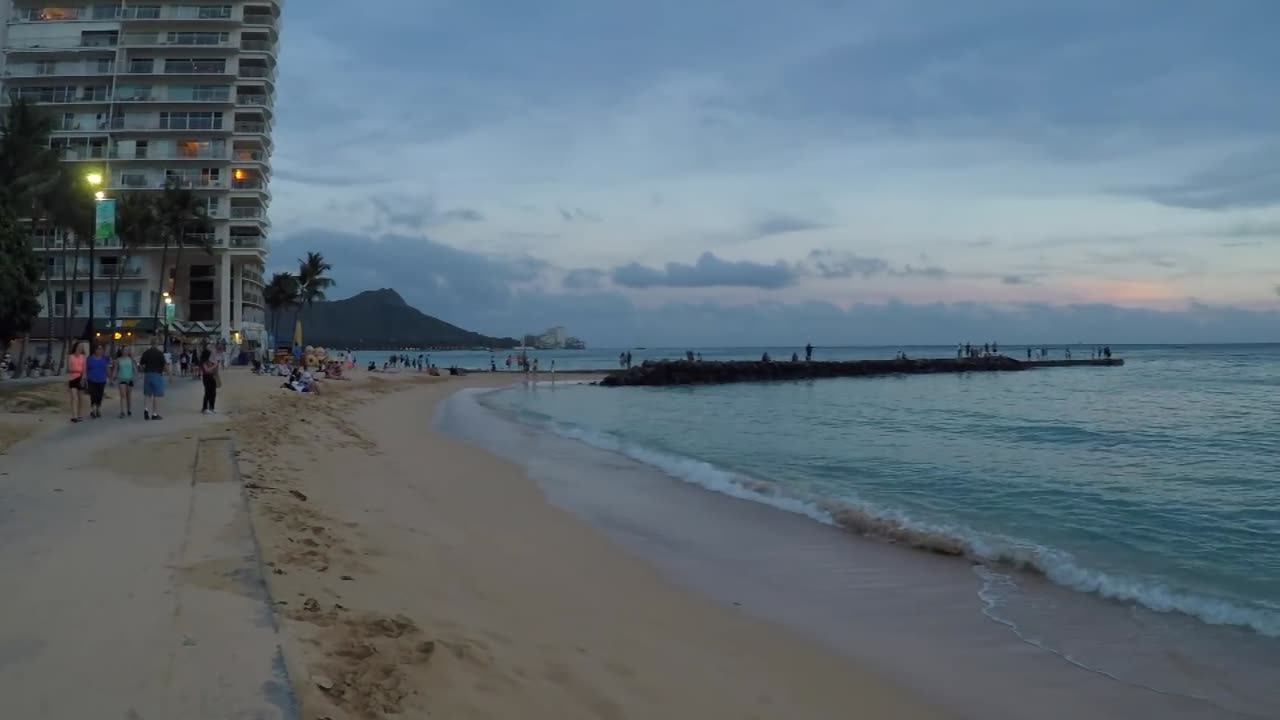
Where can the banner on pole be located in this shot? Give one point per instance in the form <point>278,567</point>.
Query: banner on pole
<point>105,220</point>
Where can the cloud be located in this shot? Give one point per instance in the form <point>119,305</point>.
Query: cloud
<point>419,213</point>
<point>833,264</point>
<point>584,279</point>
<point>781,225</point>
<point>578,215</point>
<point>504,296</point>
<point>1246,180</point>
<point>1017,280</point>
<point>708,271</point>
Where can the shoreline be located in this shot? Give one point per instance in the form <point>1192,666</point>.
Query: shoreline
<point>414,546</point>
<point>966,626</point>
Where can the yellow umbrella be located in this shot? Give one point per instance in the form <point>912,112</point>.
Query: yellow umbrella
<point>297,332</point>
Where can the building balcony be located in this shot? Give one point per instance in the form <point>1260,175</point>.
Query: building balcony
<point>66,43</point>
<point>247,242</point>
<point>252,156</point>
<point>210,14</point>
<point>248,213</point>
<point>63,70</point>
<point>55,98</point>
<point>126,182</point>
<point>75,154</point>
<point>203,41</point>
<point>140,125</point>
<point>206,98</point>
<point>258,46</point>
<point>255,100</point>
<point>167,155</point>
<point>171,68</point>
<point>102,272</point>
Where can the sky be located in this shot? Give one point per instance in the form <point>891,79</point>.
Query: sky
<point>744,172</point>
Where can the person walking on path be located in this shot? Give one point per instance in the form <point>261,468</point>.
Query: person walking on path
<point>153,364</point>
<point>97,374</point>
<point>124,372</point>
<point>209,373</point>
<point>75,380</point>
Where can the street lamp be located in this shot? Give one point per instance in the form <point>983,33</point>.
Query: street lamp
<point>94,179</point>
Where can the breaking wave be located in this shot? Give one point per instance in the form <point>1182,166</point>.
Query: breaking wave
<point>891,526</point>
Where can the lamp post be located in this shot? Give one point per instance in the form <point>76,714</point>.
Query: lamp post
<point>169,313</point>
<point>95,180</point>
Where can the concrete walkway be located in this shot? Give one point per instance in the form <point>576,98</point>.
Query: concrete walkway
<point>131,583</point>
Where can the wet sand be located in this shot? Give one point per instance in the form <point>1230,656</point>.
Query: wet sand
<point>421,576</point>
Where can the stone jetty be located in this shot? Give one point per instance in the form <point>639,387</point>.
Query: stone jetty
<point>684,372</point>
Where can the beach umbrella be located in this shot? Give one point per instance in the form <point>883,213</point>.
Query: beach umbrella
<point>297,332</point>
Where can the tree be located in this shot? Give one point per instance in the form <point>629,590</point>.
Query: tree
<point>137,227</point>
<point>312,280</point>
<point>19,282</point>
<point>28,167</point>
<point>279,295</point>
<point>180,213</point>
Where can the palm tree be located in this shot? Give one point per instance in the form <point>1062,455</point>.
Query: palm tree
<point>312,280</point>
<point>279,295</point>
<point>28,169</point>
<point>179,213</point>
<point>136,226</point>
<point>68,208</point>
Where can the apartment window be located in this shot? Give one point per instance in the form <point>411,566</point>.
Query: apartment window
<point>202,12</point>
<point>212,206</point>
<point>191,120</point>
<point>48,14</point>
<point>210,176</point>
<point>99,38</point>
<point>104,66</point>
<point>53,94</point>
<point>200,148</point>
<point>97,93</point>
<point>106,12</point>
<point>197,38</point>
<point>133,92</point>
<point>140,150</point>
<point>144,12</point>
<point>69,122</point>
<point>195,65</point>
<point>46,67</point>
<point>142,66</point>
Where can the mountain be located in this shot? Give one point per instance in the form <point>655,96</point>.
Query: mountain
<point>380,319</point>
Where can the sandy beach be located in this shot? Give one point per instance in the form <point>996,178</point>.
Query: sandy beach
<point>420,577</point>
<point>410,575</point>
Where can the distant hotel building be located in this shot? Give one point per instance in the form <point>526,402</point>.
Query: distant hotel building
<point>146,93</point>
<point>554,339</point>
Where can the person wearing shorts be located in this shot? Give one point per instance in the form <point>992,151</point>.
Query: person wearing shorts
<point>153,365</point>
<point>96,375</point>
<point>75,380</point>
<point>125,368</point>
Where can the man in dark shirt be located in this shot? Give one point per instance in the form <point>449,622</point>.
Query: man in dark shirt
<point>153,368</point>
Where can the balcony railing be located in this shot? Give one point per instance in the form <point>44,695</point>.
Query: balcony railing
<point>250,156</point>
<point>257,72</point>
<point>247,242</point>
<point>146,182</point>
<point>247,213</point>
<point>61,272</point>
<point>149,39</point>
<point>84,153</point>
<point>248,185</point>
<point>260,19</point>
<point>253,100</point>
<point>257,45</point>
<point>196,97</point>
<point>195,68</point>
<point>56,98</point>
<point>59,70</point>
<point>157,154</point>
<point>251,128</point>
<point>171,124</point>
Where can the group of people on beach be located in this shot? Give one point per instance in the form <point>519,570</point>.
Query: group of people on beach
<point>89,372</point>
<point>973,352</point>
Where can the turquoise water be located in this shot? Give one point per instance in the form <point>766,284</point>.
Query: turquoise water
<point>1154,485</point>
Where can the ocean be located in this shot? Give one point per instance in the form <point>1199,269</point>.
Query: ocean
<point>1119,523</point>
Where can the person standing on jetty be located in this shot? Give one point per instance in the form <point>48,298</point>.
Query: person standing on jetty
<point>808,352</point>
<point>75,380</point>
<point>97,373</point>
<point>123,372</point>
<point>153,365</point>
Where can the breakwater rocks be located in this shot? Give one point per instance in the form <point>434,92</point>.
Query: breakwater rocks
<point>683,372</point>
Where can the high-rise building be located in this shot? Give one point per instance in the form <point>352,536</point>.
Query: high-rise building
<point>147,93</point>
